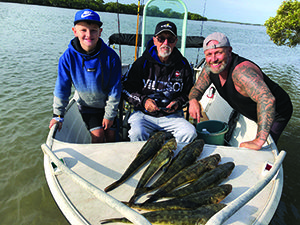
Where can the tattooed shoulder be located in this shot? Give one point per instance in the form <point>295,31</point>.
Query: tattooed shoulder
<point>248,80</point>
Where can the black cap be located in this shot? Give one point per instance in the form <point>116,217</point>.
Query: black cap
<point>166,26</point>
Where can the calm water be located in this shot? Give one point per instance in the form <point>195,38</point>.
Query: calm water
<point>33,38</point>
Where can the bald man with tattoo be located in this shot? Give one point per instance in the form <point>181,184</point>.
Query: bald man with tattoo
<point>245,87</point>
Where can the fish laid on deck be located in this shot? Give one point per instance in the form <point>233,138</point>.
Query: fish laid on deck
<point>198,216</point>
<point>209,196</point>
<point>209,179</point>
<point>150,148</point>
<point>162,158</point>
<point>188,175</point>
<point>186,157</point>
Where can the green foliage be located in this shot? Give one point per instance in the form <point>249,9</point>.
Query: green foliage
<point>168,13</point>
<point>284,28</point>
<point>154,11</point>
<point>172,14</point>
<point>194,16</point>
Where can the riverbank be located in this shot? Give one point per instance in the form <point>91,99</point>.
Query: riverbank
<point>113,7</point>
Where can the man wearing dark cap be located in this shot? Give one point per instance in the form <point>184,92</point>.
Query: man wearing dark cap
<point>95,71</point>
<point>158,85</point>
<point>245,87</point>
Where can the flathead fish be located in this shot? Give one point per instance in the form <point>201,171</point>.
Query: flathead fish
<point>197,216</point>
<point>162,158</point>
<point>187,175</point>
<point>147,152</point>
<point>207,180</point>
<point>186,157</point>
<point>209,196</point>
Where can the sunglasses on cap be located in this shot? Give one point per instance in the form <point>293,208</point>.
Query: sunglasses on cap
<point>162,39</point>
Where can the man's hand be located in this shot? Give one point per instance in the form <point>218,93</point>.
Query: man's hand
<point>195,109</point>
<point>150,105</point>
<point>106,124</point>
<point>172,107</point>
<point>54,121</point>
<point>255,144</point>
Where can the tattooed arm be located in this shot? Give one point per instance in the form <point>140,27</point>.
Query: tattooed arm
<point>197,92</point>
<point>249,82</point>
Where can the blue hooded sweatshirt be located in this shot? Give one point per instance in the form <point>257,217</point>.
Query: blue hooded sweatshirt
<point>96,78</point>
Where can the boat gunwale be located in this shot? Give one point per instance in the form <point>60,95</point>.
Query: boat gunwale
<point>61,200</point>
<point>266,216</point>
<point>277,185</point>
<point>74,217</point>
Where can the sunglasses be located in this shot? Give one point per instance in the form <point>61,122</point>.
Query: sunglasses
<point>162,39</point>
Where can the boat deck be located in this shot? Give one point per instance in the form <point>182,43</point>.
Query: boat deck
<point>103,164</point>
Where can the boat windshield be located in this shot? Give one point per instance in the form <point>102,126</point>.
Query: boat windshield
<point>156,11</point>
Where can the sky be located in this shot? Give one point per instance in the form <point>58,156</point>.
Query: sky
<point>245,11</point>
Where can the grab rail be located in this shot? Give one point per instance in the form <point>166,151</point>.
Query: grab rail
<point>229,210</point>
<point>126,211</point>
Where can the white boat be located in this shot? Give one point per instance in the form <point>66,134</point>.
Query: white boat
<point>78,182</point>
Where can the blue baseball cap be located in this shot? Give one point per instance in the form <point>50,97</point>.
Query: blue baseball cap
<point>87,15</point>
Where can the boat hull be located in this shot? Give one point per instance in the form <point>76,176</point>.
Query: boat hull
<point>102,164</point>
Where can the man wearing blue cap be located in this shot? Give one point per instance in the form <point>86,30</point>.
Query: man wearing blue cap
<point>95,71</point>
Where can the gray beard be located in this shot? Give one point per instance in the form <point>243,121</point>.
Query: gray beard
<point>164,54</point>
<point>223,67</point>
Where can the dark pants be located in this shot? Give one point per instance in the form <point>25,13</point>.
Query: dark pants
<point>276,130</point>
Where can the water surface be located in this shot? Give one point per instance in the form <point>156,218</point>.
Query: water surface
<point>32,40</point>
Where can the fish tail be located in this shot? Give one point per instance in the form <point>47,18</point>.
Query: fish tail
<point>106,221</point>
<point>125,203</point>
<point>112,186</point>
<point>115,220</point>
<point>132,199</point>
<point>137,194</point>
